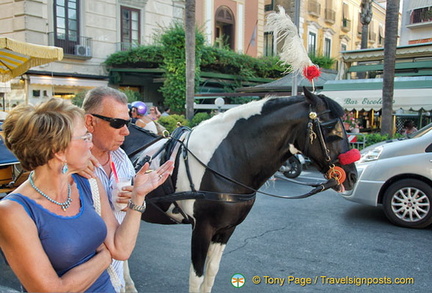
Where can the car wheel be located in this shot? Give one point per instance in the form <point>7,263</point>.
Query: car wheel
<point>408,203</point>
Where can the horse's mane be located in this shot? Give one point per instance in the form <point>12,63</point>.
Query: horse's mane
<point>255,107</point>
<point>333,106</point>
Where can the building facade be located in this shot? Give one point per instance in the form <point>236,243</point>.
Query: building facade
<point>329,27</point>
<point>88,32</point>
<point>416,22</point>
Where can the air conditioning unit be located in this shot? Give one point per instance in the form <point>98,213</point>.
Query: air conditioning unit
<point>81,50</point>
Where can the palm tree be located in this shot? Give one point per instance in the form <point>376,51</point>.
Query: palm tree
<point>190,57</point>
<point>391,32</point>
<point>365,19</point>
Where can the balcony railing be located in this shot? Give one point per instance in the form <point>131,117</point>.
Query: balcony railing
<point>329,16</point>
<point>314,8</point>
<point>422,15</point>
<point>81,47</point>
<point>346,25</point>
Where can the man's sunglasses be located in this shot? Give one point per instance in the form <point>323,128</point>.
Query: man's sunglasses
<point>116,123</point>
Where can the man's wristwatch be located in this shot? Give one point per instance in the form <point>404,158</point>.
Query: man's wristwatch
<point>136,207</point>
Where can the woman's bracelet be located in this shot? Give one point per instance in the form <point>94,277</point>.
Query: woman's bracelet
<point>136,207</point>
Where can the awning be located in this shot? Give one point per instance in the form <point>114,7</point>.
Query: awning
<point>67,81</point>
<point>415,4</point>
<point>17,57</point>
<point>410,93</point>
<point>406,99</point>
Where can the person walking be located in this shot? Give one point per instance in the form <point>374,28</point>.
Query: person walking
<point>50,233</point>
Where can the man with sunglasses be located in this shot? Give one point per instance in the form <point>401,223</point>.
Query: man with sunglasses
<point>107,119</point>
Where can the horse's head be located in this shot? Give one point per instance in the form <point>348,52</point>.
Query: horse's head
<point>326,142</point>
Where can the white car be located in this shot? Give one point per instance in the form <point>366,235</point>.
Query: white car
<point>397,174</point>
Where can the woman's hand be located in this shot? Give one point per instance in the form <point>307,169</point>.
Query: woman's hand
<point>147,180</point>
<point>89,171</point>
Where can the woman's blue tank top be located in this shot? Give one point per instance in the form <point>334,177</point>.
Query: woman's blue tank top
<point>70,241</point>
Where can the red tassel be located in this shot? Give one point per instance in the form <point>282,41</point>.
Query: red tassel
<point>311,72</point>
<point>349,157</point>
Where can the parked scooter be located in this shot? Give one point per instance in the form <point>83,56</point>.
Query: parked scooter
<point>293,167</point>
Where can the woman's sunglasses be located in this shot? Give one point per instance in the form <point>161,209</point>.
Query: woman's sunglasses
<point>116,123</point>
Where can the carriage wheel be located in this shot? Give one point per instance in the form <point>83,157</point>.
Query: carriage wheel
<point>408,203</point>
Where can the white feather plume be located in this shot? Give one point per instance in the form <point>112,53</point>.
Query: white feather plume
<point>293,52</point>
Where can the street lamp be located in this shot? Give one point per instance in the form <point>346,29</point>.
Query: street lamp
<point>219,102</point>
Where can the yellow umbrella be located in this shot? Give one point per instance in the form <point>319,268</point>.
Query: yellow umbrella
<point>17,57</point>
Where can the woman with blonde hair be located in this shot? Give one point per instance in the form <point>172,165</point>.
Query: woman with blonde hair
<point>50,233</point>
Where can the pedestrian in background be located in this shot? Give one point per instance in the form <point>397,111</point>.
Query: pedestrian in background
<point>166,112</point>
<point>154,113</point>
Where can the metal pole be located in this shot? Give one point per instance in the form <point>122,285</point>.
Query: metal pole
<point>297,23</point>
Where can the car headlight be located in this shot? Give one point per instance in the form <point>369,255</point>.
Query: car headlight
<point>371,155</point>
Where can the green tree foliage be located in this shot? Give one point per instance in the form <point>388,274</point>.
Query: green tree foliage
<point>139,57</point>
<point>198,118</point>
<point>373,138</point>
<point>171,122</point>
<point>322,61</point>
<point>131,95</point>
<point>168,53</point>
<point>174,64</point>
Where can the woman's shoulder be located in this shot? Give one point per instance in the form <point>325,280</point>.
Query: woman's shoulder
<point>13,206</point>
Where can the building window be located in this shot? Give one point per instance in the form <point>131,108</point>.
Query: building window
<point>130,28</point>
<point>224,27</point>
<point>268,5</point>
<point>312,40</point>
<point>268,44</point>
<point>421,15</point>
<point>327,47</point>
<point>343,47</point>
<point>66,24</point>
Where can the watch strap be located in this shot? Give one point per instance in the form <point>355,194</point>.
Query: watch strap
<point>136,207</point>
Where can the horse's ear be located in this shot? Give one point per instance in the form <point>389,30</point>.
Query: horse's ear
<point>310,97</point>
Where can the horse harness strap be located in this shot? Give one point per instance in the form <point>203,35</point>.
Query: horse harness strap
<point>333,172</point>
<point>206,195</point>
<point>319,187</point>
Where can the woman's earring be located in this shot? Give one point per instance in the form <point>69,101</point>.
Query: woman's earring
<point>65,168</point>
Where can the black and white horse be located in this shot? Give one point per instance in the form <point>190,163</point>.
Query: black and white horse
<point>225,159</point>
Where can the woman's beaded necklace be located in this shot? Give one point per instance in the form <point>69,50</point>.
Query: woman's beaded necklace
<point>63,205</point>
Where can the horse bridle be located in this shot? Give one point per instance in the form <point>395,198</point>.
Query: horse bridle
<point>335,175</point>
<point>333,172</point>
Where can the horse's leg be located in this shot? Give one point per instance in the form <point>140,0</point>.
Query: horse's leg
<point>207,250</point>
<point>214,256</point>
<point>201,236</point>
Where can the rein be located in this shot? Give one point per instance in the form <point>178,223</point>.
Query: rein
<point>317,187</point>
<point>335,175</point>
